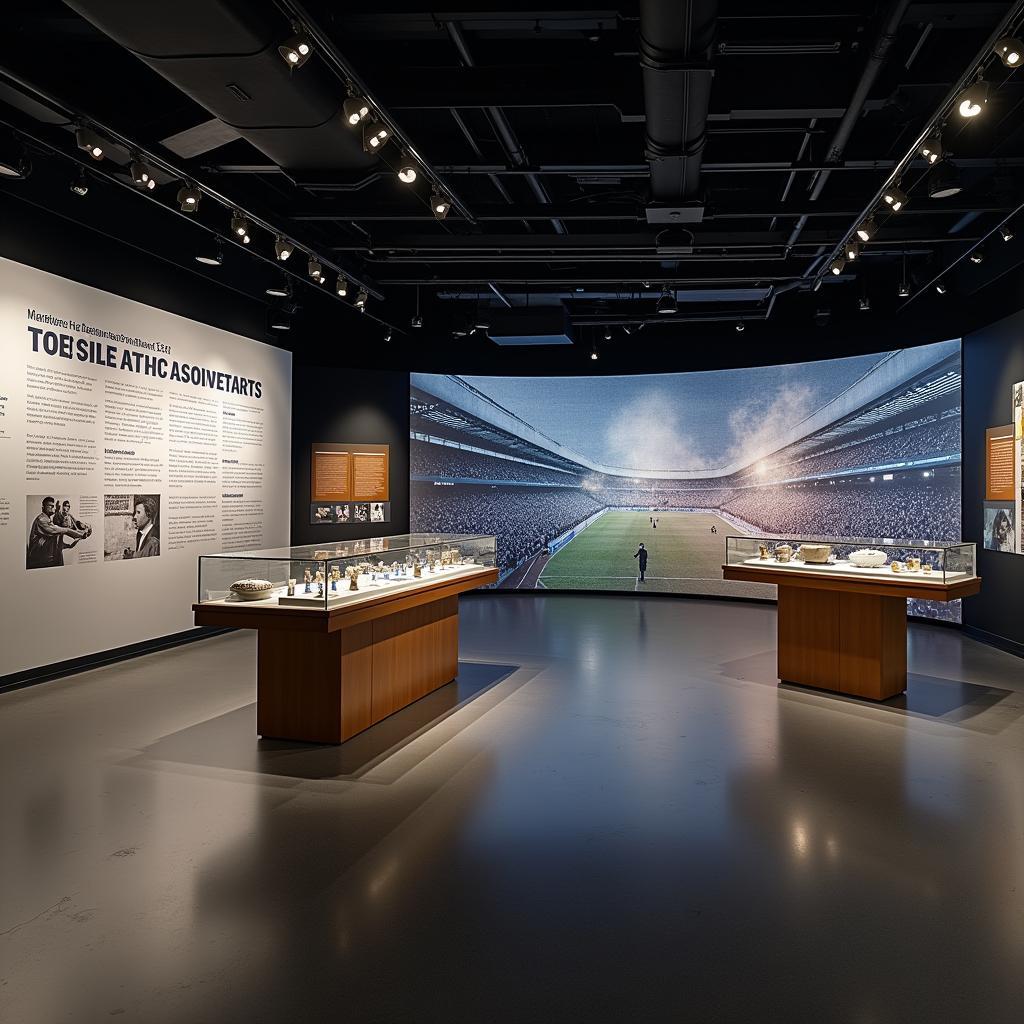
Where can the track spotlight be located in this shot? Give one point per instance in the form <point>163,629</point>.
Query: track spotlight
<point>972,100</point>
<point>314,269</point>
<point>593,353</point>
<point>90,142</point>
<point>740,326</point>
<point>240,227</point>
<point>14,161</point>
<point>142,177</point>
<point>866,231</point>
<point>607,334</point>
<point>296,49</point>
<point>940,287</point>
<point>864,304</point>
<point>280,320</point>
<point>944,180</point>
<point>80,185</point>
<point>1005,232</point>
<point>836,266</point>
<point>416,321</point>
<point>283,248</point>
<point>978,256</point>
<point>931,148</point>
<point>388,334</point>
<point>188,198</point>
<point>895,198</point>
<point>407,173</point>
<point>341,286</point>
<point>374,137</point>
<point>440,205</point>
<point>361,298</point>
<point>355,109</point>
<point>212,255</point>
<point>1009,51</point>
<point>667,304</point>
<point>851,250</point>
<point>904,290</point>
<point>282,290</point>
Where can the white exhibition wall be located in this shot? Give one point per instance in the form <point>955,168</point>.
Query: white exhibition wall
<point>159,439</point>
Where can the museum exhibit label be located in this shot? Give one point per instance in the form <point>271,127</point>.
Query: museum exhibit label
<point>131,441</point>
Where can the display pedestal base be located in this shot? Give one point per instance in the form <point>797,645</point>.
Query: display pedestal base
<point>849,643</point>
<point>846,633</point>
<point>325,674</point>
<point>324,688</point>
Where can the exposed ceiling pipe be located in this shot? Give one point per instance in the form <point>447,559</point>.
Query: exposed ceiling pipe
<point>503,129</point>
<point>675,50</point>
<point>854,109</point>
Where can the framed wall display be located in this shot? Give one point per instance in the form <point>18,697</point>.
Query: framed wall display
<point>999,463</point>
<point>347,513</point>
<point>348,473</point>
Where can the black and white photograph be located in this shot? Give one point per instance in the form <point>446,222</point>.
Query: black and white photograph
<point>342,513</point>
<point>131,526</point>
<point>361,512</point>
<point>55,531</point>
<point>999,526</point>
<point>379,512</point>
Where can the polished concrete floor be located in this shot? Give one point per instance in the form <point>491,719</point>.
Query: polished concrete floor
<point>616,814</point>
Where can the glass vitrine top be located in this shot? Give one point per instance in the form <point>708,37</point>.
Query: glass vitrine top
<point>355,548</point>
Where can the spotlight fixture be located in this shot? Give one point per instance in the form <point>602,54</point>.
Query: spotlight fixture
<point>355,109</point>
<point>240,227</point>
<point>864,304</point>
<point>978,256</point>
<point>341,286</point>
<point>142,177</point>
<point>80,185</point>
<point>87,140</point>
<point>931,148</point>
<point>282,290</point>
<point>388,334</point>
<point>940,287</point>
<point>374,137</point>
<point>416,321</point>
<point>14,162</point>
<point>1009,51</point>
<point>280,320</point>
<point>944,181</point>
<point>904,290</point>
<point>361,298</point>
<point>212,255</point>
<point>667,304</point>
<point>740,326</point>
<point>851,250</point>
<point>188,198</point>
<point>607,334</point>
<point>593,353</point>
<point>972,100</point>
<point>895,198</point>
<point>836,266</point>
<point>440,205</point>
<point>407,173</point>
<point>1005,232</point>
<point>314,269</point>
<point>283,248</point>
<point>866,231</point>
<point>296,49</point>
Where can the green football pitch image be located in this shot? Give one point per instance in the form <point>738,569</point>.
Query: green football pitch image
<point>684,556</point>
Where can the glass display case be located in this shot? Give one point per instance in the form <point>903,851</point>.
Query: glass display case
<point>923,561</point>
<point>323,576</point>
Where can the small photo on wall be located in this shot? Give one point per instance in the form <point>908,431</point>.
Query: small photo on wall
<point>380,512</point>
<point>56,527</point>
<point>342,513</point>
<point>322,514</point>
<point>999,526</point>
<point>131,526</point>
<point>361,511</point>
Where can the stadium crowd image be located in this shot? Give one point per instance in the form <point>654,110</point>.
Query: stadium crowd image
<point>512,514</point>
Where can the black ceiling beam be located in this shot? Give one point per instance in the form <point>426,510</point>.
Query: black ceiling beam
<point>329,210</point>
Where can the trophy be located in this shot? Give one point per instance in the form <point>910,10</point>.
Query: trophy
<point>352,572</point>
<point>763,549</point>
<point>307,578</point>
<point>291,588</point>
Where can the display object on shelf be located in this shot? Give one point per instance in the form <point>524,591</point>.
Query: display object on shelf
<point>334,661</point>
<point>817,554</point>
<point>252,590</point>
<point>868,558</point>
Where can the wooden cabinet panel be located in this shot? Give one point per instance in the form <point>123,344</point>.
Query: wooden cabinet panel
<point>809,637</point>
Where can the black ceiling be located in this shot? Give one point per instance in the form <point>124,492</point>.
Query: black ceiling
<point>593,158</point>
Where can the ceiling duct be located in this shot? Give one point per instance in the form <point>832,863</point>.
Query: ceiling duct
<point>675,53</point>
<point>223,55</point>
